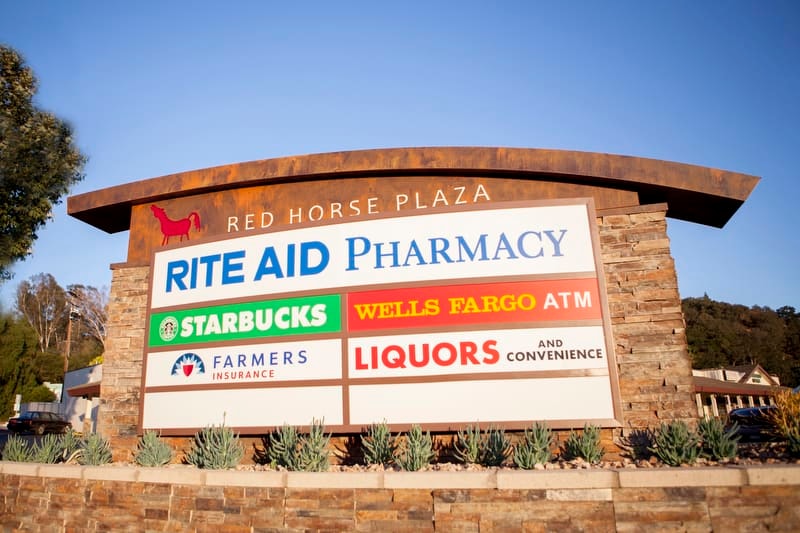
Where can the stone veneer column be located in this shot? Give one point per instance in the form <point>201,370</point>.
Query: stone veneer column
<point>122,360</point>
<point>655,372</point>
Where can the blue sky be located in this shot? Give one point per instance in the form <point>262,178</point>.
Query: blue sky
<point>153,88</point>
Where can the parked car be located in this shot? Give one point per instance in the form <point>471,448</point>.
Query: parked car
<point>39,422</point>
<point>754,422</point>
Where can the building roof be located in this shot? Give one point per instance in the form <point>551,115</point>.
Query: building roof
<point>749,370</point>
<point>693,193</point>
<point>91,390</point>
<point>711,385</point>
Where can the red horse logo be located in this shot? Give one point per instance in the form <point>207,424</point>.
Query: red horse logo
<point>173,228</point>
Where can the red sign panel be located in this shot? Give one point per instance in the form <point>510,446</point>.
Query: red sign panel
<point>487,303</point>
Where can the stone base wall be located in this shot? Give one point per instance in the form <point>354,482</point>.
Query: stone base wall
<point>73,498</point>
<point>654,368</point>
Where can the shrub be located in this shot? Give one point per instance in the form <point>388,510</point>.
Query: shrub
<point>468,445</point>
<point>786,419</point>
<point>378,446</point>
<point>793,442</point>
<point>283,447</point>
<point>534,448</point>
<point>496,448</point>
<point>717,443</point>
<point>313,453</point>
<point>39,393</point>
<point>215,447</point>
<point>152,451</point>
<point>16,449</point>
<point>675,444</point>
<point>585,445</point>
<point>95,451</point>
<point>417,450</point>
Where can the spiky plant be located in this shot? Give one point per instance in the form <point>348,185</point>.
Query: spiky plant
<point>675,444</point>
<point>378,445</point>
<point>534,447</point>
<point>16,449</point>
<point>152,451</point>
<point>95,451</point>
<point>468,444</point>
<point>417,450</point>
<point>496,448</point>
<point>216,448</point>
<point>283,447</point>
<point>71,446</point>
<point>47,449</point>
<point>584,445</point>
<point>313,455</point>
<point>717,442</point>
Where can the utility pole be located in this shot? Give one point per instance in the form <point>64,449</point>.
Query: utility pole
<point>69,342</point>
<point>73,313</point>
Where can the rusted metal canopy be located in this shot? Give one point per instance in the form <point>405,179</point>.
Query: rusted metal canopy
<point>697,194</point>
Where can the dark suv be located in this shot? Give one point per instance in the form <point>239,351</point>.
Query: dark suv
<point>39,422</point>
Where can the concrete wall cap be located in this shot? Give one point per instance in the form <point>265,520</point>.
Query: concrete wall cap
<point>557,479</point>
<point>111,473</point>
<point>774,475</point>
<point>178,475</point>
<point>235,478</point>
<point>64,471</point>
<point>440,480</point>
<point>328,480</point>
<point>682,477</point>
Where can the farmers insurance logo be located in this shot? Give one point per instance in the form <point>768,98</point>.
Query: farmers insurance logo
<point>188,364</point>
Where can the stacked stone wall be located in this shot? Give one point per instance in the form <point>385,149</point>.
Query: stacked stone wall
<point>654,368</point>
<point>118,416</point>
<point>655,374</point>
<point>72,498</point>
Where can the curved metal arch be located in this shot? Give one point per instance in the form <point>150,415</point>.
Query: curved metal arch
<point>693,193</point>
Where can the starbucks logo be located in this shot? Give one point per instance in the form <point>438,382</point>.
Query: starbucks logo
<point>168,329</point>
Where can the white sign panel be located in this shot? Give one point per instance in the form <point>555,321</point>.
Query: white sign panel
<point>251,363</point>
<point>478,352</point>
<point>494,315</point>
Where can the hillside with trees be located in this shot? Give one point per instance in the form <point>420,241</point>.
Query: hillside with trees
<point>722,334</point>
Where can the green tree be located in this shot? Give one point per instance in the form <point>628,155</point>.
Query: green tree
<point>39,161</point>
<point>17,351</point>
<point>39,393</point>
